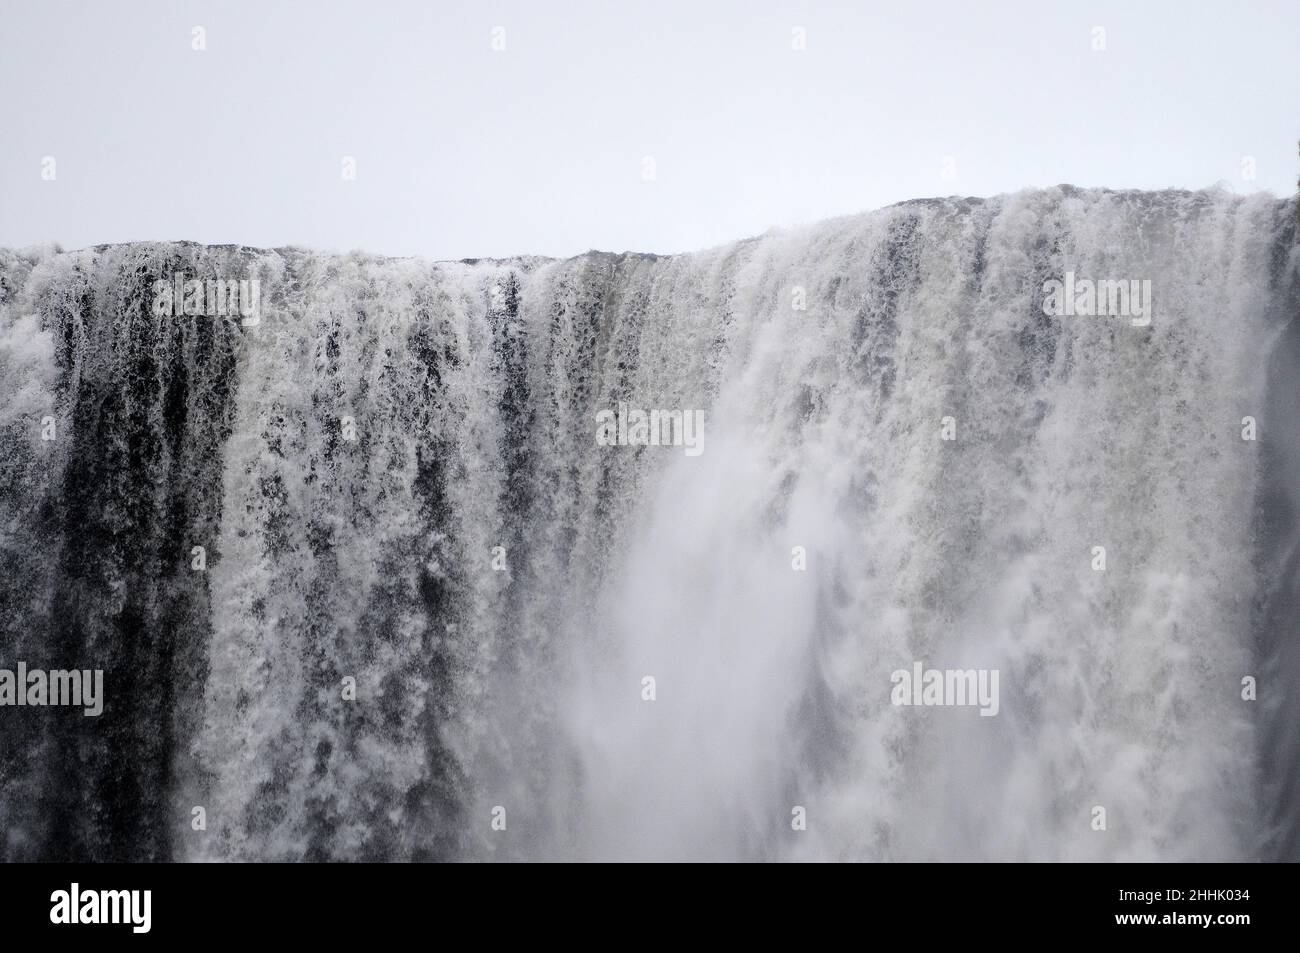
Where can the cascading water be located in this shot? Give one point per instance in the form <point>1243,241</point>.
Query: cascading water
<point>395,479</point>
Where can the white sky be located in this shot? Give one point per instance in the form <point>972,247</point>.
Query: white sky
<point>463,151</point>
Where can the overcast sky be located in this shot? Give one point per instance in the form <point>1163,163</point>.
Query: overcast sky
<point>463,150</point>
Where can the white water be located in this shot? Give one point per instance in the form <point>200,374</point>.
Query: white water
<point>476,421</point>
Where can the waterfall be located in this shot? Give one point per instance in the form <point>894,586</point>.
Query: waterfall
<point>365,585</point>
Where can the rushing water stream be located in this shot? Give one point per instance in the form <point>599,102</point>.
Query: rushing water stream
<point>394,477</point>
